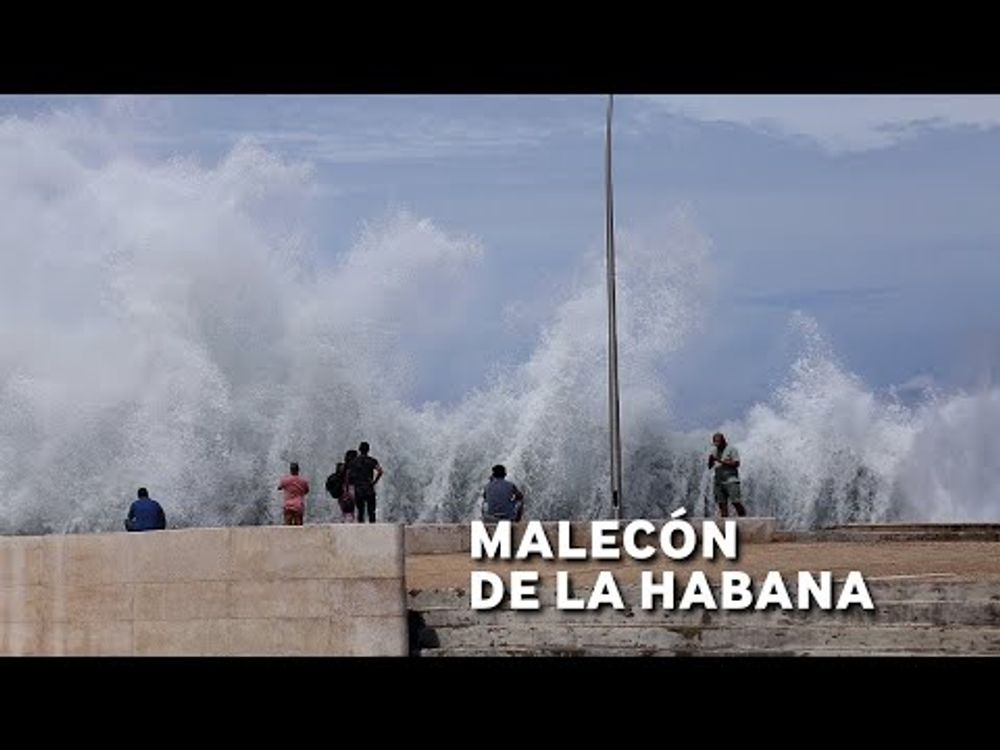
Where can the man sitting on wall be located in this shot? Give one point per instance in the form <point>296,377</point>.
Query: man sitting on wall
<point>502,500</point>
<point>145,514</point>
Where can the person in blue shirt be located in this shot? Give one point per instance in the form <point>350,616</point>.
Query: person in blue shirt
<point>145,514</point>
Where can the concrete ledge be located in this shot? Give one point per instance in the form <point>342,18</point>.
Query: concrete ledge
<point>181,555</point>
<point>368,550</point>
<point>311,590</point>
<point>455,538</point>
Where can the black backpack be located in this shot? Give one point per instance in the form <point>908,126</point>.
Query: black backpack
<point>335,483</point>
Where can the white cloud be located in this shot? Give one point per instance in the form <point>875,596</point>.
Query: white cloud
<point>839,123</point>
<point>921,382</point>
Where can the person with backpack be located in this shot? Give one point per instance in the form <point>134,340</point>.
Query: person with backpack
<point>339,488</point>
<point>363,474</point>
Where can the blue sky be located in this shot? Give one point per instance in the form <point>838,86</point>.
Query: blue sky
<point>876,215</point>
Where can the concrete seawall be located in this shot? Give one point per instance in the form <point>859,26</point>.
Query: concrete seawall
<point>323,590</point>
<point>341,590</point>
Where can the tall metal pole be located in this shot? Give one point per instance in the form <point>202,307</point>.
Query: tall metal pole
<point>615,431</point>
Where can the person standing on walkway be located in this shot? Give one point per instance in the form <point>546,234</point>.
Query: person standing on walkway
<point>295,488</point>
<point>363,474</point>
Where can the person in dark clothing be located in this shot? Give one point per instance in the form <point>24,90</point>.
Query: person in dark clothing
<point>145,514</point>
<point>340,489</point>
<point>502,500</point>
<point>363,474</point>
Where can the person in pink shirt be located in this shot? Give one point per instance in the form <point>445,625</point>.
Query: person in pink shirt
<point>296,488</point>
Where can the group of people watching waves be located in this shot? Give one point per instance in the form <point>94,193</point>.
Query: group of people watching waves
<point>352,485</point>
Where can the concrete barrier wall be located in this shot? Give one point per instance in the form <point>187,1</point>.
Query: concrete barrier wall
<point>453,538</point>
<point>324,590</point>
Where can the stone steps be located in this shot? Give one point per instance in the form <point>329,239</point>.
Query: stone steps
<point>595,639</point>
<point>913,616</point>
<point>922,612</point>
<point>630,652</point>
